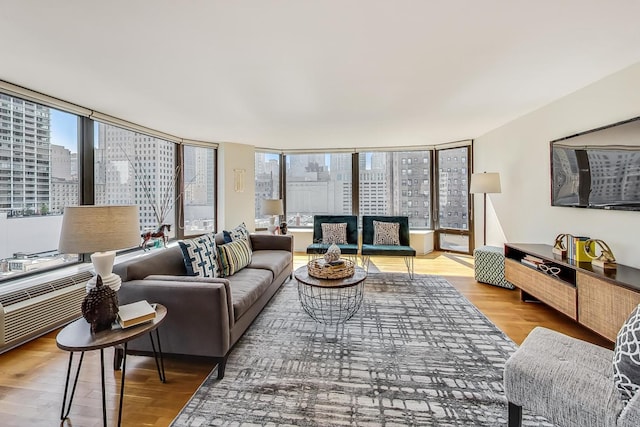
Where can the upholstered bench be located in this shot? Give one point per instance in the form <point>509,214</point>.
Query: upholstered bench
<point>489,266</point>
<point>388,243</point>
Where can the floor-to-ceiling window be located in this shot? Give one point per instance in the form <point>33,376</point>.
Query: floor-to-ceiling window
<point>317,183</point>
<point>267,185</point>
<point>51,159</point>
<point>396,183</point>
<point>38,178</point>
<point>132,168</point>
<point>199,189</point>
<point>452,231</point>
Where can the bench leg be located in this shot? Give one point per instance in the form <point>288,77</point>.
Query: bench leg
<point>365,262</point>
<point>408,261</point>
<point>515,415</point>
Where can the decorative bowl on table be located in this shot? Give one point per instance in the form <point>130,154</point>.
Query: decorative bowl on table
<point>339,269</point>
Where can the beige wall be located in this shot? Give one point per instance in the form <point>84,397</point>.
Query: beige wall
<point>519,151</point>
<point>236,206</point>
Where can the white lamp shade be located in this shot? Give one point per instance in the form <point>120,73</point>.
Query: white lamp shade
<point>272,207</point>
<point>486,182</point>
<point>88,229</point>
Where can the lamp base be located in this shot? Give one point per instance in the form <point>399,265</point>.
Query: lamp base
<point>111,280</point>
<point>103,265</point>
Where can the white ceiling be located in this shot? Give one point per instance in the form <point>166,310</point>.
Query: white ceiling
<point>316,73</point>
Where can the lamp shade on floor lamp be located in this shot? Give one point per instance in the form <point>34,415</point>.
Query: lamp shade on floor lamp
<point>100,230</point>
<point>485,183</point>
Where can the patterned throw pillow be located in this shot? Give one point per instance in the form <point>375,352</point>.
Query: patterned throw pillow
<point>234,257</point>
<point>238,233</point>
<point>200,256</point>
<point>386,233</point>
<point>334,233</point>
<point>626,356</point>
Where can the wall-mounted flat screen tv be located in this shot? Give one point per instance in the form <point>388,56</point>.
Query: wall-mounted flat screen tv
<point>598,169</point>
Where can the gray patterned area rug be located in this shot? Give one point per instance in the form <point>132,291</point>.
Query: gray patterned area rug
<point>417,353</point>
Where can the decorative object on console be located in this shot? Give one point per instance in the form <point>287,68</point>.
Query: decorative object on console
<point>560,247</point>
<point>485,183</point>
<point>100,230</point>
<point>274,208</point>
<point>332,254</point>
<point>577,248</point>
<point>100,306</point>
<point>605,260</point>
<point>283,228</point>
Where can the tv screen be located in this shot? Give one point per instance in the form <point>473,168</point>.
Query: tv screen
<point>598,169</point>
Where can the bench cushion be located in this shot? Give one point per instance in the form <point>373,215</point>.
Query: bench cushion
<point>319,248</point>
<point>388,250</point>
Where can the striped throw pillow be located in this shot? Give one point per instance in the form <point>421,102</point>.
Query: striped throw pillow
<point>234,257</point>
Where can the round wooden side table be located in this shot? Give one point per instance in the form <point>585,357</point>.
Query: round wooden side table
<point>77,337</point>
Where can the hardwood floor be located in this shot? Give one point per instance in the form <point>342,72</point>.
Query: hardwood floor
<point>32,376</point>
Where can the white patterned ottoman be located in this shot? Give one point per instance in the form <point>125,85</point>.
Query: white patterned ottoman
<point>489,266</point>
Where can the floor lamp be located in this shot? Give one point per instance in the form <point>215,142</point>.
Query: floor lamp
<point>485,183</point>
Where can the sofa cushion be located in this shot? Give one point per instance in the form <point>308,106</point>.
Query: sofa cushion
<point>247,286</point>
<point>334,233</point>
<point>200,256</point>
<point>626,356</point>
<point>386,233</point>
<point>274,261</point>
<point>234,257</point>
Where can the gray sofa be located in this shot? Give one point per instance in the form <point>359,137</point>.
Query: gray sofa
<point>205,316</point>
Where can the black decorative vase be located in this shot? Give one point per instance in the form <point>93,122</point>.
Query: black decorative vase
<point>100,307</point>
<point>283,228</point>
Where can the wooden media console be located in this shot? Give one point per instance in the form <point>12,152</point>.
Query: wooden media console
<point>599,299</point>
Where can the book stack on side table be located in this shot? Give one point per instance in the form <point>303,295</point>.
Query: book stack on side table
<point>135,313</point>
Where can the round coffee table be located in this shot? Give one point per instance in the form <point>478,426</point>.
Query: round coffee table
<point>330,300</point>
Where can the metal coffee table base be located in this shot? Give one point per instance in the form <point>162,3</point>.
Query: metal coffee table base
<point>331,305</point>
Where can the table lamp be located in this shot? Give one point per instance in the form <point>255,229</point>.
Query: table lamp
<point>272,207</point>
<point>485,183</point>
<point>100,230</point>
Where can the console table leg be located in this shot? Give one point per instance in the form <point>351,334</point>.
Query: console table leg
<point>64,415</point>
